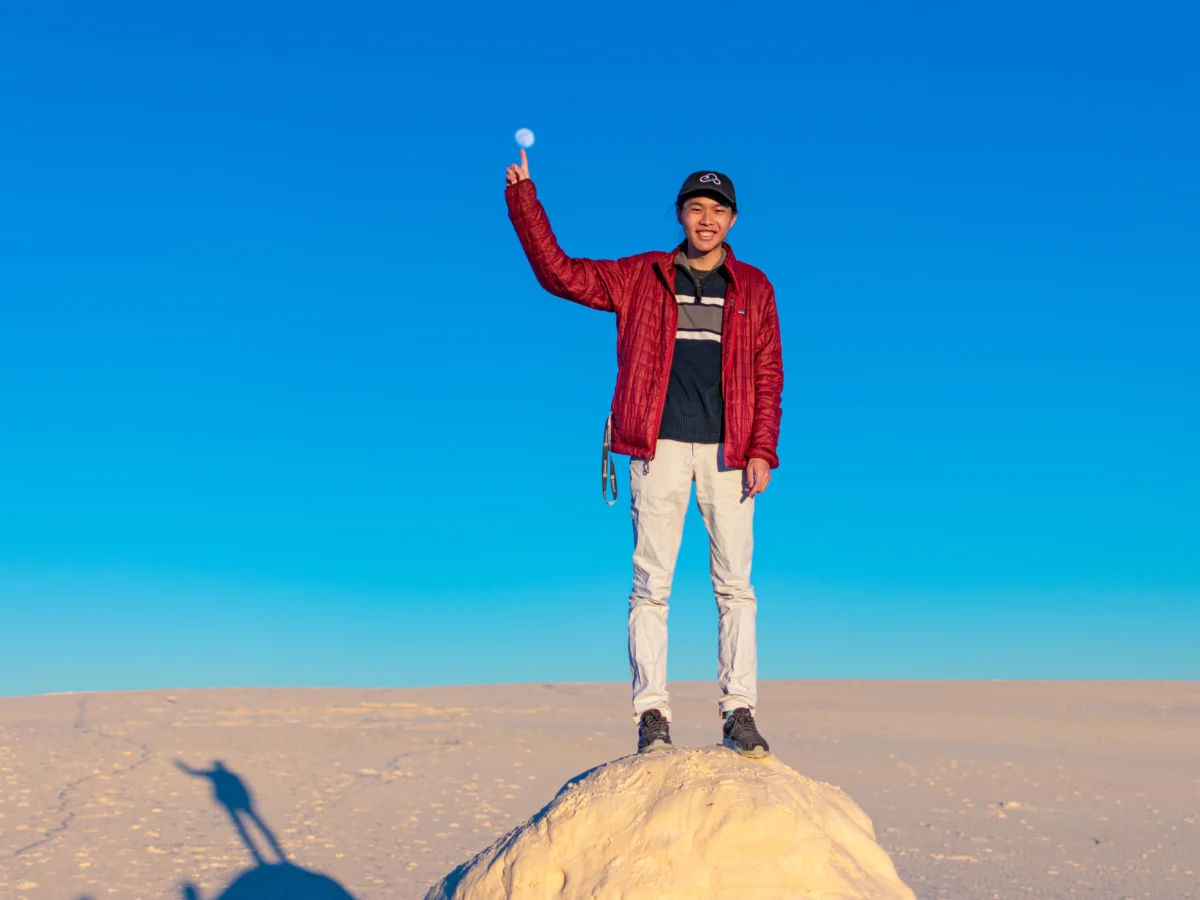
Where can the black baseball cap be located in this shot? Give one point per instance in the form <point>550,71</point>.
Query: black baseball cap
<point>707,182</point>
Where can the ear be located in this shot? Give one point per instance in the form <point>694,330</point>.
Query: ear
<point>732,221</point>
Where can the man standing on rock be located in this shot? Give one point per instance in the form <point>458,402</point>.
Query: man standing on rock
<point>700,374</point>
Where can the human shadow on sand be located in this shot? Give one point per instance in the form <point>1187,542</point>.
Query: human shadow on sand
<point>276,879</point>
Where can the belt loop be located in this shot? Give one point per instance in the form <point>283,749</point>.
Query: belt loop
<point>608,472</point>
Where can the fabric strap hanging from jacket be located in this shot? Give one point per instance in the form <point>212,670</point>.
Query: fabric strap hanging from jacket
<point>608,471</point>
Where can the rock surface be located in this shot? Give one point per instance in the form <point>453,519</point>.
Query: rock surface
<point>690,823</point>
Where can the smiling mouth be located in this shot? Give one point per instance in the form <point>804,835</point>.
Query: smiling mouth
<point>706,234</point>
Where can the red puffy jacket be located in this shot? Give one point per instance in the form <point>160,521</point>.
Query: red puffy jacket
<point>641,291</point>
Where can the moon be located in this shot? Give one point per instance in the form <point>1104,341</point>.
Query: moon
<point>524,137</point>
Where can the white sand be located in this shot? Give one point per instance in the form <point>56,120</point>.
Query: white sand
<point>976,790</point>
<point>687,824</point>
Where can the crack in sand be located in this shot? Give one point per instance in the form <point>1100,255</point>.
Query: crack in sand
<point>80,725</point>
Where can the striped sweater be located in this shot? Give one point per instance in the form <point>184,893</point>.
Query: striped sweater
<point>695,409</point>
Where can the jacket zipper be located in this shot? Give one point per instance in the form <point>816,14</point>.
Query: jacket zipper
<point>666,377</point>
<point>728,327</point>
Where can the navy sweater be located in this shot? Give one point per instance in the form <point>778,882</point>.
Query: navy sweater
<point>695,408</point>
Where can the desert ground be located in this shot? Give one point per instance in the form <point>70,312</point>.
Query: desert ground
<point>976,789</point>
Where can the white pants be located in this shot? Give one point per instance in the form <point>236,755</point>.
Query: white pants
<point>660,491</point>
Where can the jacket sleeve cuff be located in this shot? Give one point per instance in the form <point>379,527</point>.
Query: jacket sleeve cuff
<point>520,190</point>
<point>766,455</point>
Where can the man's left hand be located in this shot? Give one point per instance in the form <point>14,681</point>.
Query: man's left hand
<point>756,477</point>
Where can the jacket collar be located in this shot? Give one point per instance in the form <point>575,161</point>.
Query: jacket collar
<point>666,262</point>
<point>682,260</point>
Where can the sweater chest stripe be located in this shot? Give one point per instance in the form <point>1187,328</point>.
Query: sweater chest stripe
<point>694,317</point>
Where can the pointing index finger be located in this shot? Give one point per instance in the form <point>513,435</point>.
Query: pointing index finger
<point>524,161</point>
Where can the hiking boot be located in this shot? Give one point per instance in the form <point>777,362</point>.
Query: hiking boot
<point>654,732</point>
<point>741,734</point>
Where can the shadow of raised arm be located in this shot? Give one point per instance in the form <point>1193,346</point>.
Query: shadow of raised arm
<point>188,770</point>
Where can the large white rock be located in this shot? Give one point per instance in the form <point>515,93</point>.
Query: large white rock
<point>698,823</point>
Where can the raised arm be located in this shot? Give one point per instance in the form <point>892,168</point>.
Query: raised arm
<point>598,283</point>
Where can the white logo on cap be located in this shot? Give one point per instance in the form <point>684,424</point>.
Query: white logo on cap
<point>710,177</point>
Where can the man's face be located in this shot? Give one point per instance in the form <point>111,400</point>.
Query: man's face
<point>705,222</point>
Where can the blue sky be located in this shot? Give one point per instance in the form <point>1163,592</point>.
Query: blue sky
<point>283,404</point>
